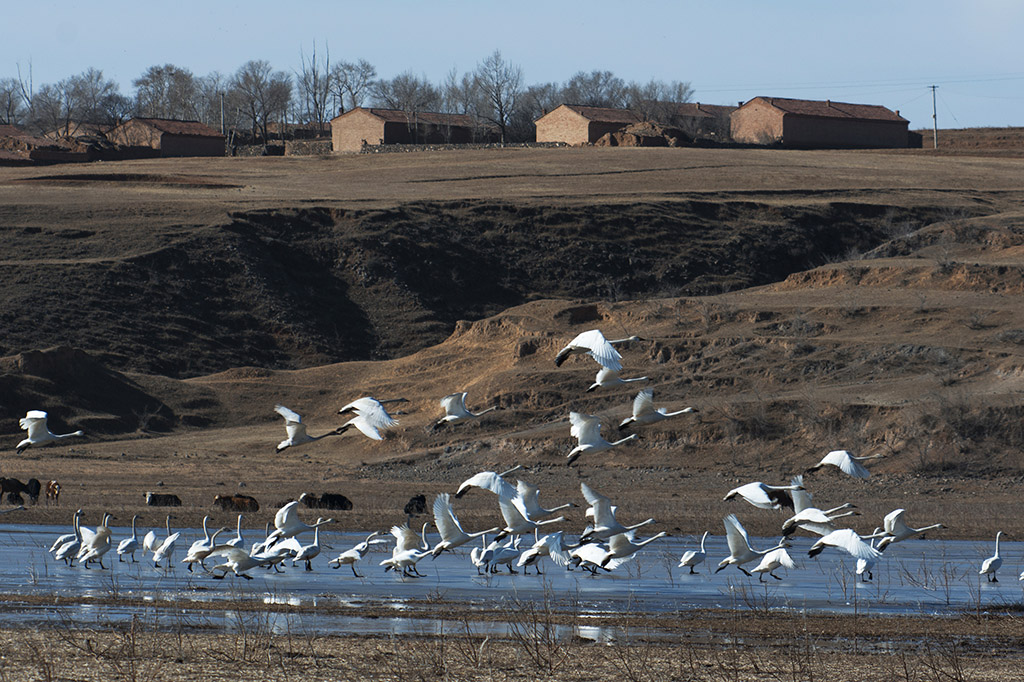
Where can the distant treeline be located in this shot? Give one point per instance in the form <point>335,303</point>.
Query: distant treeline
<point>257,99</point>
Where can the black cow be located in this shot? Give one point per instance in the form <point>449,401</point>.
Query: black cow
<point>326,501</point>
<point>237,503</point>
<point>417,504</point>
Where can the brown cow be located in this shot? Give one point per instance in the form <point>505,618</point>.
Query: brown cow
<point>237,503</point>
<point>53,492</point>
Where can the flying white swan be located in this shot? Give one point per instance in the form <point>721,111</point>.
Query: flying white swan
<point>864,566</point>
<point>586,429</point>
<point>38,434</point>
<point>694,558</point>
<point>455,411</point>
<point>625,545</point>
<point>489,480</point>
<point>764,496</point>
<point>452,534</point>
<point>370,416</point>
<point>551,545</point>
<point>288,524</point>
<point>847,540</point>
<point>351,556</point>
<point>166,548</point>
<point>594,344</point>
<point>517,518</point>
<point>297,429</point>
<point>530,495</point>
<point>740,551</point>
<point>896,529</point>
<point>846,463</point>
<point>605,524</point>
<point>992,564</point>
<point>236,560</point>
<point>610,377</point>
<point>129,545</point>
<point>644,411</point>
<point>775,559</point>
<point>817,521</point>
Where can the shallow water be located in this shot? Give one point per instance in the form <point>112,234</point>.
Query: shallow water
<point>931,576</point>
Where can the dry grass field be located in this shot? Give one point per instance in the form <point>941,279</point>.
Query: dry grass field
<point>801,301</point>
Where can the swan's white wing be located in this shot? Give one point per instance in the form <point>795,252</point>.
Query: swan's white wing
<point>736,536</point>
<point>455,405</point>
<point>366,427</point>
<point>603,511</point>
<point>894,524</point>
<point>599,349</point>
<point>606,374</point>
<point>529,494</point>
<point>844,460</point>
<point>444,518</point>
<point>289,415</point>
<point>35,423</point>
<point>511,512</point>
<point>755,495</point>
<point>405,539</point>
<point>643,403</point>
<point>488,480</point>
<point>586,428</point>
<point>286,516</point>
<point>373,411</point>
<point>801,498</point>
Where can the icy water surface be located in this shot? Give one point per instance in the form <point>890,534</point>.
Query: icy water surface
<point>931,576</point>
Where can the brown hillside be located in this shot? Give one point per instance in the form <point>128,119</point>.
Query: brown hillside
<point>912,347</point>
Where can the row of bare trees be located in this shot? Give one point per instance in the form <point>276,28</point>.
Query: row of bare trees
<point>256,96</point>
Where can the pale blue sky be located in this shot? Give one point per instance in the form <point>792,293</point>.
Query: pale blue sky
<point>870,51</point>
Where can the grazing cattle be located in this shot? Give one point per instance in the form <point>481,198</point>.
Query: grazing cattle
<point>162,500</point>
<point>326,501</point>
<point>12,486</point>
<point>417,504</point>
<point>15,498</point>
<point>236,503</point>
<point>33,488</point>
<point>53,492</point>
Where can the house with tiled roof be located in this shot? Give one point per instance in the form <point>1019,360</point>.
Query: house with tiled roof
<point>575,124</point>
<point>169,137</point>
<point>809,124</point>
<point>362,126</point>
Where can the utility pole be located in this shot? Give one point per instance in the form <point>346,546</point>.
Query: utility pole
<point>222,113</point>
<point>935,120</point>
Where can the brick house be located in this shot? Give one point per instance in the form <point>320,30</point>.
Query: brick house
<point>806,124</point>
<point>574,124</point>
<point>169,137</point>
<point>703,120</point>
<point>364,126</point>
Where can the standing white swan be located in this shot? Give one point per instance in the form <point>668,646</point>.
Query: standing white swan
<point>693,558</point>
<point>68,551</point>
<point>38,434</point>
<point>166,548</point>
<point>129,545</point>
<point>594,344</point>
<point>586,429</point>
<point>644,411</point>
<point>455,411</point>
<point>846,463</point>
<point>238,540</point>
<point>296,429</point>
<point>351,556</point>
<point>775,559</point>
<point>992,564</point>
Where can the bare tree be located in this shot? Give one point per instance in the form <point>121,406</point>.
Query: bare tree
<point>536,101</point>
<point>314,83</point>
<point>500,85</point>
<point>657,100</point>
<point>56,108</point>
<point>166,91</point>
<point>261,94</point>
<point>595,89</point>
<point>210,90</point>
<point>94,94</point>
<point>353,80</point>
<point>12,106</point>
